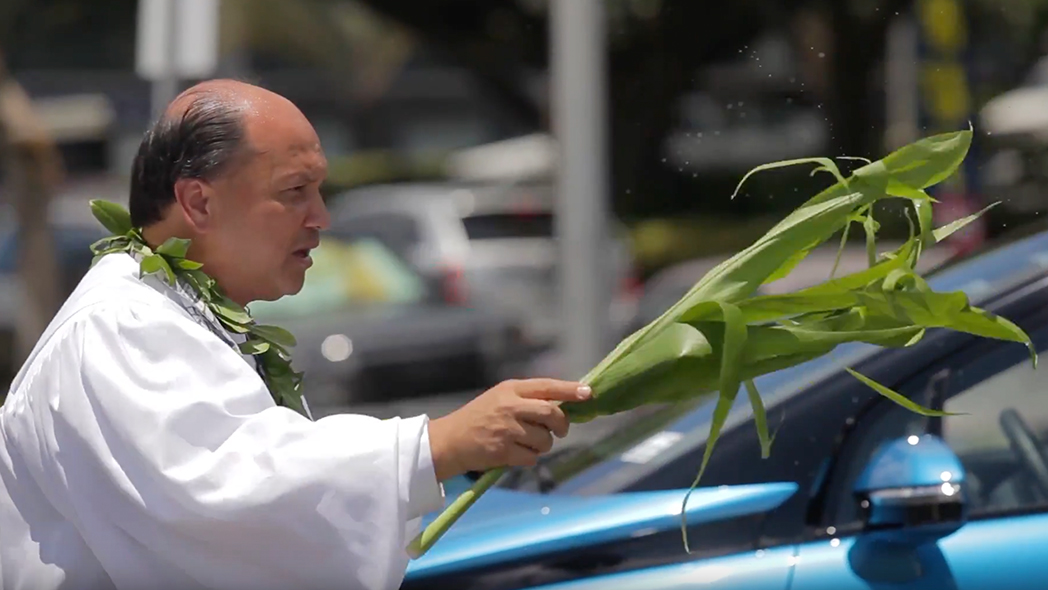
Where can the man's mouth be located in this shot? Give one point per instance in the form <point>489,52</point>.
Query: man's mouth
<point>302,252</point>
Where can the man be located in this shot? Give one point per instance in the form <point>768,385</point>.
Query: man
<point>140,449</point>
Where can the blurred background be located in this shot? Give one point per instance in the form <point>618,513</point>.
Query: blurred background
<point>515,185</point>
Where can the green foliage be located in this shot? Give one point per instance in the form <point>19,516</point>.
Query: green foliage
<point>266,343</point>
<point>719,335</point>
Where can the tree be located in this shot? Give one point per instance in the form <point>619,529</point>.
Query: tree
<point>656,47</point>
<point>32,171</point>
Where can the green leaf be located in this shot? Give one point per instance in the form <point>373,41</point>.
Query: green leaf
<point>734,345</point>
<point>276,335</point>
<point>840,250</point>
<point>947,230</point>
<point>188,264</point>
<point>230,325</point>
<point>898,398</point>
<point>174,248</point>
<point>155,264</point>
<point>928,161</point>
<point>226,308</point>
<point>112,216</point>
<point>790,264</point>
<point>760,419</point>
<point>253,346</point>
<point>825,164</point>
<point>869,225</point>
<point>861,278</point>
<point>720,416</point>
<point>773,307</point>
<point>645,368</point>
<point>110,244</point>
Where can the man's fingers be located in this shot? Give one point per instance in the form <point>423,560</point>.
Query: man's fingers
<point>545,414</point>
<point>521,456</point>
<point>553,389</point>
<point>536,438</point>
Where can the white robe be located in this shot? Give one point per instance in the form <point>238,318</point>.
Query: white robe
<point>139,449</point>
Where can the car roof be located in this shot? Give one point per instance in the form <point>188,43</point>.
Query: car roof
<point>983,277</point>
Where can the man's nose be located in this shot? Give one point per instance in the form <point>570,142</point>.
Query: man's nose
<point>319,218</point>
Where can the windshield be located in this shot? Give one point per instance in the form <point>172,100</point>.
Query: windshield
<point>346,274</point>
<point>509,225</point>
<point>656,435</point>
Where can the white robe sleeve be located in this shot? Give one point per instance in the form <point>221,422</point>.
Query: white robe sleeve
<point>182,469</point>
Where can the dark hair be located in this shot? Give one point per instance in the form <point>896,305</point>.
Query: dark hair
<point>201,142</point>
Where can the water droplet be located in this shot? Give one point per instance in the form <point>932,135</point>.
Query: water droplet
<point>759,553</point>
<point>545,510</point>
<point>821,54</point>
<point>664,160</point>
<point>835,542</point>
<point>831,530</point>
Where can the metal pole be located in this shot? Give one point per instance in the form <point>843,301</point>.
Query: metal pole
<point>165,89</point>
<point>578,62</point>
<point>901,84</point>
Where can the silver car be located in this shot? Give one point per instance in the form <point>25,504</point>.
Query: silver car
<point>483,245</point>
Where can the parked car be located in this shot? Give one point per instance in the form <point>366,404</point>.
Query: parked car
<point>482,245</point>
<point>368,331</point>
<point>858,492</point>
<point>74,229</point>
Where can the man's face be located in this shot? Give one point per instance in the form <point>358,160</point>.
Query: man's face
<point>268,211</point>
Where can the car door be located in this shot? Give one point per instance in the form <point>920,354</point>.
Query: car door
<point>1001,421</point>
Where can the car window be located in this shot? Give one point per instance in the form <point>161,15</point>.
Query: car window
<point>400,232</point>
<point>509,225</point>
<point>983,388</point>
<point>347,274</point>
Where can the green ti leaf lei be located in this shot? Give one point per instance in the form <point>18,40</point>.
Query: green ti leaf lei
<point>268,344</point>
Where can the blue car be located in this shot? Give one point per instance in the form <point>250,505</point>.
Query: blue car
<point>858,492</point>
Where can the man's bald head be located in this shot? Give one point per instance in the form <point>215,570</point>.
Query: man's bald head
<point>237,170</point>
<point>203,133</point>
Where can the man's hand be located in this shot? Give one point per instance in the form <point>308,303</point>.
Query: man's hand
<point>509,425</point>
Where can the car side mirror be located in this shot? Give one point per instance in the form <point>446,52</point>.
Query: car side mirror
<point>917,481</point>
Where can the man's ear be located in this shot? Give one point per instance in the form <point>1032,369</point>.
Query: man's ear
<point>193,198</point>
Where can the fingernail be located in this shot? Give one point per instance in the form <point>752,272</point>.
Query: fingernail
<point>584,392</point>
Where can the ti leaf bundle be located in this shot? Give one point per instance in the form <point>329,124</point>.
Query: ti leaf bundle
<point>720,336</point>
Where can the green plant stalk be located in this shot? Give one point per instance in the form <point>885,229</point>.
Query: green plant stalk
<point>443,522</point>
<point>705,342</point>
